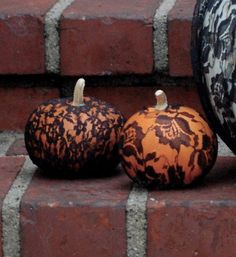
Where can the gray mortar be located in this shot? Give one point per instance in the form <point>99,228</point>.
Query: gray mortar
<point>136,222</point>
<point>6,139</point>
<point>11,210</point>
<point>52,40</point>
<point>136,216</point>
<point>160,35</point>
<point>223,149</point>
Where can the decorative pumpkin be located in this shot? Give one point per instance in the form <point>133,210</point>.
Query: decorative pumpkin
<point>167,146</point>
<point>74,135</point>
<point>214,64</point>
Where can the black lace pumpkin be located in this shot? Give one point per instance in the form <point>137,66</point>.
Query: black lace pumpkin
<point>63,135</point>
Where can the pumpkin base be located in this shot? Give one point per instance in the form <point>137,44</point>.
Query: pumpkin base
<point>100,167</point>
<point>90,171</point>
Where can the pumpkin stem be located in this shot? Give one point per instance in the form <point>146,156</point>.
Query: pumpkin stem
<point>78,98</point>
<point>161,98</point>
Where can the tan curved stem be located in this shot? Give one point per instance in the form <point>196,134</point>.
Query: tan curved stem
<point>162,102</point>
<point>78,98</point>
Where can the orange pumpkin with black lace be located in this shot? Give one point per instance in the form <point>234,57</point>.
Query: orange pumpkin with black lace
<point>74,134</point>
<point>167,146</point>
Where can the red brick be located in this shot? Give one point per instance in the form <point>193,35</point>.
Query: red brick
<point>197,222</point>
<point>22,36</point>
<point>132,99</point>
<point>75,217</point>
<point>17,148</point>
<point>17,103</point>
<point>9,168</point>
<point>179,34</point>
<point>107,37</point>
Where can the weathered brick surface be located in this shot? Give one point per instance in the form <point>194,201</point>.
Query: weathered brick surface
<point>75,217</point>
<point>9,168</point>
<point>179,38</point>
<point>17,148</point>
<point>22,36</point>
<point>132,99</point>
<point>17,103</point>
<point>87,217</point>
<point>197,222</point>
<point>107,37</point>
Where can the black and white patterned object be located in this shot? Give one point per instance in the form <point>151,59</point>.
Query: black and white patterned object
<point>214,63</point>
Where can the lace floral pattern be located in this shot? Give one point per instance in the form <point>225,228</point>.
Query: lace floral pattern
<point>64,137</point>
<point>167,149</point>
<point>214,60</point>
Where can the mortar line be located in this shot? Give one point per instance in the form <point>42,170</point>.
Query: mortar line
<point>11,210</point>
<point>6,140</point>
<point>136,222</point>
<point>52,37</point>
<point>160,35</point>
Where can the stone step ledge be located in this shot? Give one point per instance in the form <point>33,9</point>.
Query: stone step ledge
<point>83,37</point>
<point>110,216</point>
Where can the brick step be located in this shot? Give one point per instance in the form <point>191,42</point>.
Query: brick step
<point>18,100</point>
<point>109,216</point>
<point>86,37</point>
